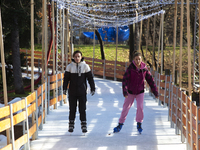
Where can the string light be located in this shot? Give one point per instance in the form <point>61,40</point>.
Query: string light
<point>112,14</point>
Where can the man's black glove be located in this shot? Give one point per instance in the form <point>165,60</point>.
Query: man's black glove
<point>92,93</point>
<point>65,92</point>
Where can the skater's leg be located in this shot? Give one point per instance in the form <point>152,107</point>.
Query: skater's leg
<point>139,113</point>
<point>126,106</point>
<point>82,111</point>
<point>82,107</point>
<point>72,107</point>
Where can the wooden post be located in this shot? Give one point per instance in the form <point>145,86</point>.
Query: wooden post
<point>45,33</point>
<point>159,42</point>
<point>53,28</point>
<point>43,51</point>
<point>147,35</point>
<point>174,41</point>
<point>4,75</point>
<point>32,59</point>
<point>199,53</point>
<point>93,52</point>
<point>32,45</point>
<point>116,54</point>
<point>162,59</point>
<point>53,36</point>
<point>140,33</point>
<point>154,30</point>
<point>181,45</point>
<point>188,48</point>
<point>71,34</point>
<point>66,37</point>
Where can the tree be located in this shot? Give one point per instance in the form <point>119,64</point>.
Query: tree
<point>16,29</point>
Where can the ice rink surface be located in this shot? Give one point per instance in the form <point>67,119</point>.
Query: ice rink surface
<point>103,112</point>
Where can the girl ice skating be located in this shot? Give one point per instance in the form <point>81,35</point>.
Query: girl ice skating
<point>133,88</point>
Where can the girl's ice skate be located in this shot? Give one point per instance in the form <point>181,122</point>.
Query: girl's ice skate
<point>118,128</point>
<point>139,127</point>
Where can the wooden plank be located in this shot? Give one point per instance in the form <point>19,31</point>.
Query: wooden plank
<point>109,75</point>
<point>161,98</point>
<point>32,130</point>
<point>58,76</point>
<point>179,114</point>
<point>174,90</point>
<point>194,123</point>
<point>162,84</point>
<point>43,87</point>
<point>98,60</point>
<point>7,147</point>
<point>5,111</point>
<point>52,86</point>
<point>59,98</point>
<point>31,108</point>
<point>39,101</point>
<point>31,98</point>
<point>199,114</point>
<point>109,67</point>
<point>162,77</point>
<point>121,63</point>
<point>19,117</point>
<point>119,76</point>
<point>52,101</point>
<point>166,100</point>
<point>39,120</point>
<point>109,71</point>
<point>20,141</point>
<point>53,78</point>
<point>18,105</point>
<point>110,62</point>
<point>39,90</point>
<point>98,65</point>
<point>162,91</point>
<point>188,102</point>
<point>184,96</point>
<point>98,73</point>
<point>98,69</point>
<point>59,83</point>
<point>184,120</point>
<point>88,58</point>
<point>5,124</point>
<point>194,109</point>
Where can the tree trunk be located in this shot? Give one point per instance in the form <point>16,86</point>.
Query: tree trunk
<point>131,41</point>
<point>16,60</point>
<point>101,44</point>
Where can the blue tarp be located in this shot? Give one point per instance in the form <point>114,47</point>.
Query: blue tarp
<point>109,34</point>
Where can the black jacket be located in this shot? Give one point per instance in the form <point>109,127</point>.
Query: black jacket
<point>76,75</point>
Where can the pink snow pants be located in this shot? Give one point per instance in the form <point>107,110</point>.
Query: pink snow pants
<point>127,105</point>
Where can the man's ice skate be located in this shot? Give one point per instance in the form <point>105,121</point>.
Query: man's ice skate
<point>71,126</point>
<point>139,127</point>
<point>84,126</point>
<point>118,128</point>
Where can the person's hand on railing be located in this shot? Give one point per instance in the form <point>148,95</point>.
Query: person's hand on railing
<point>92,93</point>
<point>65,92</point>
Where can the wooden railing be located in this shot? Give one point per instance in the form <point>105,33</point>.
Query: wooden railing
<point>184,114</point>
<point>38,104</point>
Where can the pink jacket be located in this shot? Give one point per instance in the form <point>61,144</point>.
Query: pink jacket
<point>133,80</point>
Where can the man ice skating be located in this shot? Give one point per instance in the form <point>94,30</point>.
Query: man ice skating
<point>76,74</point>
<point>133,88</point>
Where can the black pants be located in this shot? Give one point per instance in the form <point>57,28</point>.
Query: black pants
<point>81,105</point>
